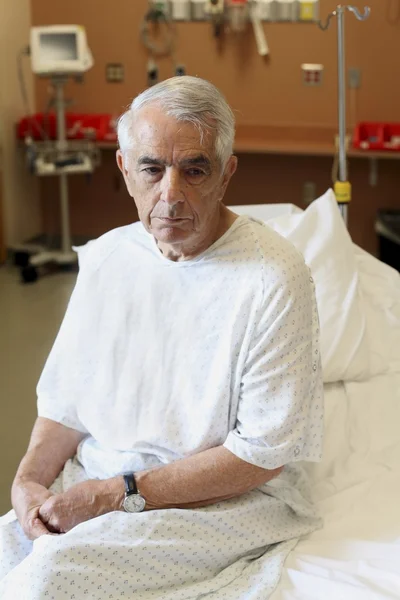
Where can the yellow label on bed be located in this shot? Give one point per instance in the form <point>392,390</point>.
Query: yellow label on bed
<point>307,11</point>
<point>343,191</point>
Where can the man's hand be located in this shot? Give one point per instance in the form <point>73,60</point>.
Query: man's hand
<point>82,502</point>
<point>50,446</point>
<point>27,499</point>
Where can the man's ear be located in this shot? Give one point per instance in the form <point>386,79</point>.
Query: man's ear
<point>122,167</point>
<point>229,171</point>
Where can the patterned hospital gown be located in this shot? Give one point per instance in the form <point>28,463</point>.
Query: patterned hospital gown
<point>157,360</point>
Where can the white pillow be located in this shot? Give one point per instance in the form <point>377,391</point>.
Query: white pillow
<point>320,234</point>
<point>380,290</point>
<point>263,212</point>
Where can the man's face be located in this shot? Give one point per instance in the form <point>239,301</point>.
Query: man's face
<point>175,180</point>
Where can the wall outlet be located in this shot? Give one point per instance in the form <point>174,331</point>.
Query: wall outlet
<point>309,193</point>
<point>115,72</point>
<point>354,78</point>
<point>312,74</point>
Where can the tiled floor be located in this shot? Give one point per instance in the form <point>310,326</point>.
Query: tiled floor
<point>30,316</point>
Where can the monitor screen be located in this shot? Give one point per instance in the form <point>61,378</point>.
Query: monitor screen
<point>58,47</point>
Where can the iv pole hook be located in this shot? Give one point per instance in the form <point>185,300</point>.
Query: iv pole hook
<point>356,12</point>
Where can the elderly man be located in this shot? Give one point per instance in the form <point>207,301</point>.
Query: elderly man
<point>182,390</point>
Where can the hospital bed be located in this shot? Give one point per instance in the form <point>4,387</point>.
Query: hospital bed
<point>356,554</point>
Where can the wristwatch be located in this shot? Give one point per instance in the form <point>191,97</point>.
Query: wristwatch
<point>133,501</point>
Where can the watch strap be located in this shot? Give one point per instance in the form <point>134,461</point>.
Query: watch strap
<point>130,484</point>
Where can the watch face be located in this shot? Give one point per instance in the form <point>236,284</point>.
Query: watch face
<point>134,503</point>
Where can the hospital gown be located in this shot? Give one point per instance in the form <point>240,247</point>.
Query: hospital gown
<point>158,360</point>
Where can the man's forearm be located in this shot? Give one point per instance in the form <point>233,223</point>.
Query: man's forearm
<point>51,445</point>
<point>202,479</point>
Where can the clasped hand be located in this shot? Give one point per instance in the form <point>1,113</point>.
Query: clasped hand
<point>84,501</point>
<point>41,512</point>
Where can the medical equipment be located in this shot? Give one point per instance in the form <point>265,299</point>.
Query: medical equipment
<point>161,6</point>
<point>237,14</point>
<point>214,9</point>
<point>180,10</point>
<point>342,185</point>
<point>198,10</point>
<point>233,10</point>
<point>268,10</point>
<point>58,49</point>
<point>287,10</point>
<point>158,15</point>
<point>58,52</point>
<point>261,40</point>
<point>156,20</point>
<point>308,10</point>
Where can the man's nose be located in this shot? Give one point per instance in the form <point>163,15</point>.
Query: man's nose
<point>171,188</point>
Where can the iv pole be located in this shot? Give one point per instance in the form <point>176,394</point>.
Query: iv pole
<point>342,186</point>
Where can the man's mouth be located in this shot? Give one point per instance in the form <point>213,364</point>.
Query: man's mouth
<point>172,219</point>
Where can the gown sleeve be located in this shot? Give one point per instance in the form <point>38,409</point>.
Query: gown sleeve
<point>280,409</point>
<point>61,387</point>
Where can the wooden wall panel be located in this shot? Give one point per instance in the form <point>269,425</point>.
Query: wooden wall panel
<point>102,203</point>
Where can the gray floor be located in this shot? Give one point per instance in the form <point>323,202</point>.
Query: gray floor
<point>30,316</point>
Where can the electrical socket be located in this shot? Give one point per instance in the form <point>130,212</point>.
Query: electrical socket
<point>312,74</point>
<point>309,192</point>
<point>354,78</point>
<point>115,72</point>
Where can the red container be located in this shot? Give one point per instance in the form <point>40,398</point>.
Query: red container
<point>79,126</point>
<point>38,127</point>
<point>369,136</point>
<point>91,127</point>
<point>391,137</point>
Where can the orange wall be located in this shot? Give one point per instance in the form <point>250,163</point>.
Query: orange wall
<point>261,91</point>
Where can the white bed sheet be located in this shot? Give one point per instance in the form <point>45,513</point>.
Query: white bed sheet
<point>356,555</point>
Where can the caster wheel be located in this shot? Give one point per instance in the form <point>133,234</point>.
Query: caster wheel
<point>21,259</point>
<point>29,274</point>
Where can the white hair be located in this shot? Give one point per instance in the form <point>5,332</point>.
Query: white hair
<point>188,99</point>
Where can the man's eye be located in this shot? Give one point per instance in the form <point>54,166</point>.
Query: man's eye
<point>152,170</point>
<point>195,172</point>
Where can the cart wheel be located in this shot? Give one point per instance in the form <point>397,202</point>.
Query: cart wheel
<point>29,274</point>
<point>21,258</point>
